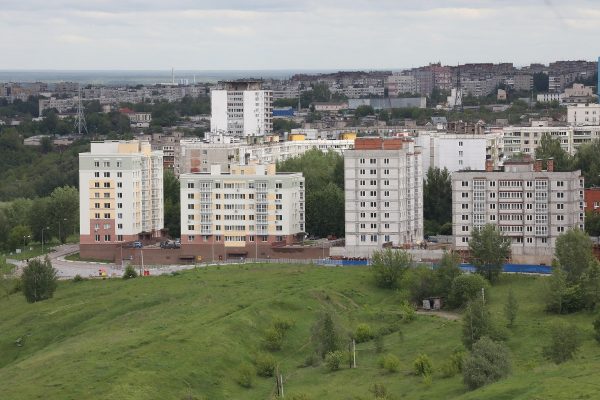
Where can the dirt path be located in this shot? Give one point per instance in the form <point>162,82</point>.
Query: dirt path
<point>442,314</point>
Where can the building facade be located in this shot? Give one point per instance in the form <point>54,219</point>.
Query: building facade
<point>241,213</point>
<point>120,193</point>
<point>242,109</point>
<point>583,114</point>
<point>525,139</point>
<point>453,152</point>
<point>383,187</point>
<point>530,206</point>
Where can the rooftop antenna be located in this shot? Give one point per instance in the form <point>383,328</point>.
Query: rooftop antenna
<point>172,76</point>
<point>80,117</point>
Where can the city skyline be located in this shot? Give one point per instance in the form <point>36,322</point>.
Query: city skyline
<point>271,35</point>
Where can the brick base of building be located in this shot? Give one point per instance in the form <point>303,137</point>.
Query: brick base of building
<point>192,253</point>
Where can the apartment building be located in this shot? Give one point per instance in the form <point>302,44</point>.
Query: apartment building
<point>383,187</point>
<point>525,139</point>
<point>583,114</point>
<point>397,84</point>
<point>241,108</point>
<point>529,205</point>
<point>120,193</point>
<point>60,105</point>
<point>241,213</point>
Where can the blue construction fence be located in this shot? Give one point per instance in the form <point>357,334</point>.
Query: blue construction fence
<point>510,268</point>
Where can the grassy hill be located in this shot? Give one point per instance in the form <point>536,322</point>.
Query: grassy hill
<point>186,336</point>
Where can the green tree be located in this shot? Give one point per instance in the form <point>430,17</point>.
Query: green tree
<point>557,289</point>
<point>466,287</point>
<point>477,322</point>
<point>38,280</point>
<point>437,196</point>
<point>592,223</point>
<point>489,251</point>
<point>64,211</point>
<point>363,111</point>
<point>18,237</point>
<point>325,334</point>
<point>446,272</point>
<point>488,362</point>
<point>325,211</point>
<point>422,365</point>
<point>550,148</point>
<point>171,203</point>
<point>574,253</point>
<point>565,340</point>
<point>586,159</point>
<point>389,266</point>
<point>511,308</point>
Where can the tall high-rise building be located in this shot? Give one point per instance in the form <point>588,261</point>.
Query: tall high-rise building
<point>241,108</point>
<point>242,213</point>
<point>383,186</point>
<point>120,193</point>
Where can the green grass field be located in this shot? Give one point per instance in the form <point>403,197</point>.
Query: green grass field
<point>173,337</point>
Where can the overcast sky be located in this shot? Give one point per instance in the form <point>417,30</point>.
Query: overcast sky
<point>299,34</point>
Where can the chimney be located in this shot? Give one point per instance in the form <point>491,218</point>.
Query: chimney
<point>489,166</point>
<point>550,165</point>
<point>537,165</point>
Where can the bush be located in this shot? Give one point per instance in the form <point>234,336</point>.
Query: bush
<point>265,365</point>
<point>246,376</point>
<point>379,390</point>
<point>389,266</point>
<point>325,334</point>
<point>311,360</point>
<point>488,362</point>
<point>363,333</point>
<point>466,287</point>
<point>129,272</point>
<point>333,360</point>
<point>407,311</point>
<point>78,278</point>
<point>565,340</point>
<point>477,323</point>
<point>273,339</point>
<point>422,365</point>
<point>390,362</point>
<point>282,325</point>
<point>38,280</point>
<point>454,364</point>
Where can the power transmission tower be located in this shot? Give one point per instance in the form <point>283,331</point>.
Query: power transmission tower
<point>80,124</point>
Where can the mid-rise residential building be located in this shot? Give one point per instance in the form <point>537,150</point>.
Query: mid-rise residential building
<point>241,213</point>
<point>579,93</point>
<point>60,105</point>
<point>592,199</point>
<point>525,139</point>
<point>523,82</point>
<point>548,97</point>
<point>383,187</point>
<point>583,114</point>
<point>454,152</point>
<point>241,108</point>
<point>120,193</point>
<point>397,84</point>
<point>529,205</point>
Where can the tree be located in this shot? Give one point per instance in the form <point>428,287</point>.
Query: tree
<point>477,322</point>
<point>326,335</point>
<point>592,223</point>
<point>64,207</point>
<point>596,325</point>
<point>129,272</point>
<point>586,159</point>
<point>422,365</point>
<point>325,221</point>
<point>437,196</point>
<point>19,236</point>
<point>489,251</point>
<point>466,287</point>
<point>511,308</point>
<point>565,340</point>
<point>389,266</point>
<point>574,253</point>
<point>38,280</point>
<point>447,271</point>
<point>488,362</point>
<point>171,203</point>
<point>363,111</point>
<point>550,148</point>
<point>541,82</point>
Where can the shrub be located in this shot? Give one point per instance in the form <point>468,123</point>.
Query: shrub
<point>466,287</point>
<point>454,364</point>
<point>333,360</point>
<point>129,272</point>
<point>78,278</point>
<point>325,334</point>
<point>565,340</point>
<point>597,329</point>
<point>407,311</point>
<point>282,325</point>
<point>390,362</point>
<point>379,390</point>
<point>477,322</point>
<point>363,333</point>
<point>422,365</point>
<point>389,266</point>
<point>511,308</point>
<point>38,280</point>
<point>273,339</point>
<point>311,360</point>
<point>488,362</point>
<point>246,376</point>
<point>265,365</point>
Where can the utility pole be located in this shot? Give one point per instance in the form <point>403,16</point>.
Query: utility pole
<point>353,353</point>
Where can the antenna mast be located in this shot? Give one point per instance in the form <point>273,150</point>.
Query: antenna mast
<point>80,124</point>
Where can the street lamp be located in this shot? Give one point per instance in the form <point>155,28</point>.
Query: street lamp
<point>59,237</point>
<point>25,237</point>
<point>43,238</point>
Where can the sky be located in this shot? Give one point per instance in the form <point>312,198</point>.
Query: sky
<point>299,34</point>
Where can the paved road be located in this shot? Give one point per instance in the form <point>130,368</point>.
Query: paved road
<point>68,269</point>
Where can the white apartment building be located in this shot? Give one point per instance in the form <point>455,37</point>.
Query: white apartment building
<point>198,156</point>
<point>241,109</point>
<point>241,213</point>
<point>120,192</point>
<point>457,152</point>
<point>530,206</point>
<point>397,84</point>
<point>60,105</point>
<point>525,139</point>
<point>549,97</point>
<point>583,114</point>
<point>383,187</point>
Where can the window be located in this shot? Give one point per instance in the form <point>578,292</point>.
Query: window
<point>107,174</point>
<point>190,185</point>
<point>107,238</point>
<point>465,195</point>
<point>120,216</point>
<point>190,227</point>
<point>119,174</point>
<point>107,185</point>
<point>96,205</point>
<point>119,184</point>
<point>96,163</point>
<point>96,184</point>
<point>119,205</point>
<point>106,205</point>
<point>190,195</point>
<point>97,174</point>
<point>465,183</point>
<point>119,164</point>
<point>97,215</point>
<point>190,206</point>
<point>119,226</point>
<point>278,185</point>
<point>97,237</point>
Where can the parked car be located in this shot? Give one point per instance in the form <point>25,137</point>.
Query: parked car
<point>170,244</point>
<point>137,245</point>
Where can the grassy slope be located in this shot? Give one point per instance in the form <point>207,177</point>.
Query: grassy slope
<point>163,337</point>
